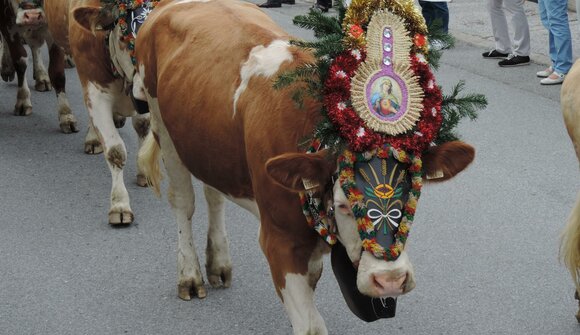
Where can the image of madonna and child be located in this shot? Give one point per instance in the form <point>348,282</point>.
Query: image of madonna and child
<point>383,101</point>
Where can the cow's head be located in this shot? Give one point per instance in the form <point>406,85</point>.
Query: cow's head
<point>376,277</point>
<point>29,13</point>
<point>98,19</point>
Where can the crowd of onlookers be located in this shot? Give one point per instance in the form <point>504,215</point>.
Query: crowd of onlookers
<point>513,49</point>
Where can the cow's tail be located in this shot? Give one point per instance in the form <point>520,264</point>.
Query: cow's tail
<point>570,247</point>
<point>149,162</point>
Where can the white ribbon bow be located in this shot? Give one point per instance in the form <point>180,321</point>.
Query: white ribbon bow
<point>378,216</point>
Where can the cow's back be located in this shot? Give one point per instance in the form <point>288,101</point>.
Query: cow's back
<point>57,14</point>
<point>194,53</point>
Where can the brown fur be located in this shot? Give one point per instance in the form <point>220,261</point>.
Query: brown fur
<point>570,245</point>
<point>449,158</point>
<point>196,99</point>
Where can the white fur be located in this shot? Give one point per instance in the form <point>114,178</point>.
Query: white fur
<point>262,61</point>
<point>370,265</point>
<point>102,102</point>
<point>347,227</point>
<point>180,2</point>
<point>298,299</point>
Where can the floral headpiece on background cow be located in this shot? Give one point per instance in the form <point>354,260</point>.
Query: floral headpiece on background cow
<point>382,110</point>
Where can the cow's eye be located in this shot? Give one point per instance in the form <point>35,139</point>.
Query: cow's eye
<point>343,208</point>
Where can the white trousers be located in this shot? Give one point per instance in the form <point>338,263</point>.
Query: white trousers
<point>520,44</point>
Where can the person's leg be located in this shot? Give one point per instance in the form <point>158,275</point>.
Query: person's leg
<point>519,22</point>
<point>499,26</point>
<point>557,11</point>
<point>545,22</point>
<point>433,11</point>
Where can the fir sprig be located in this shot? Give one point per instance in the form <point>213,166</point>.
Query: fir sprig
<point>454,108</point>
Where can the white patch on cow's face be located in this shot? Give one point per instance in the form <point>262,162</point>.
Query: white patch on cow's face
<point>120,56</point>
<point>347,228</point>
<point>263,61</point>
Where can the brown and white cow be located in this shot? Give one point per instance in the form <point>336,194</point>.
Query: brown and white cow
<point>206,70</point>
<point>570,100</point>
<point>26,19</point>
<point>105,93</point>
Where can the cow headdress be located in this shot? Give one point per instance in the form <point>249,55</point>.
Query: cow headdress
<point>383,111</point>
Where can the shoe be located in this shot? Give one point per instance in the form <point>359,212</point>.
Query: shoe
<point>270,4</point>
<point>319,7</point>
<point>545,73</point>
<point>289,2</point>
<point>553,79</point>
<point>438,45</point>
<point>494,54</point>
<point>514,60</point>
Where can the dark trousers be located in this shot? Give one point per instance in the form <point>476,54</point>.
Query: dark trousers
<point>433,11</point>
<point>324,3</point>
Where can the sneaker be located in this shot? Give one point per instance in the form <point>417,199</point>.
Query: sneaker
<point>494,54</point>
<point>514,60</point>
<point>545,73</point>
<point>553,79</point>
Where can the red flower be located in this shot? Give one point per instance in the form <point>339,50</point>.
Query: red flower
<point>356,31</point>
<point>420,40</point>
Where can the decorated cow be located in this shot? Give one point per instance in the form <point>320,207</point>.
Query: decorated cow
<point>371,109</point>
<point>105,68</point>
<point>26,19</point>
<point>570,100</point>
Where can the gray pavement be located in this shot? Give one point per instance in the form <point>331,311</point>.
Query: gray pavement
<point>484,245</point>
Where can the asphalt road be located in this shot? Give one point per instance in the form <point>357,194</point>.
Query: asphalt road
<point>484,245</point>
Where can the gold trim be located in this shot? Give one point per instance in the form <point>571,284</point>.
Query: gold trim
<point>401,44</point>
<point>414,98</point>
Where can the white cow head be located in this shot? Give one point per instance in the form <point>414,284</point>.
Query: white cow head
<point>376,277</point>
<point>29,13</point>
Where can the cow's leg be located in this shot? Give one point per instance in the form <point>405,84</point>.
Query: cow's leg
<point>67,120</point>
<point>577,298</point>
<point>42,81</point>
<point>19,61</point>
<point>218,265</point>
<point>101,102</point>
<point>7,70</point>
<point>92,143</point>
<point>182,200</point>
<point>295,272</point>
<point>141,126</point>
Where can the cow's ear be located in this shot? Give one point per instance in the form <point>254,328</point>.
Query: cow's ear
<point>93,18</point>
<point>444,161</point>
<point>291,169</point>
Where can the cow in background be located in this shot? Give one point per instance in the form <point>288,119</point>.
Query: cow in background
<point>26,18</point>
<point>206,70</point>
<point>105,93</point>
<point>570,249</point>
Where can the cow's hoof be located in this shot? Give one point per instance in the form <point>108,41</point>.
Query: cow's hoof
<point>219,277</point>
<point>187,288</point>
<point>142,180</point>
<point>23,110</point>
<point>93,147</point>
<point>42,86</point>
<point>119,121</point>
<point>578,317</point>
<point>124,217</point>
<point>69,125</point>
<point>8,76</point>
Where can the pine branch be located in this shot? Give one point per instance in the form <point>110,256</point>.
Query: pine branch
<point>301,73</point>
<point>329,45</point>
<point>436,33</point>
<point>321,24</point>
<point>454,108</point>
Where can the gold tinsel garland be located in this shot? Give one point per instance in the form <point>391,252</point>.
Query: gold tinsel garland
<point>359,13</point>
